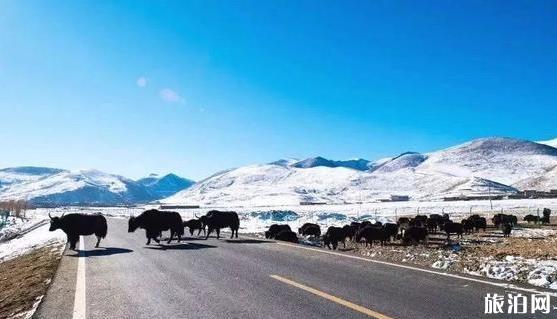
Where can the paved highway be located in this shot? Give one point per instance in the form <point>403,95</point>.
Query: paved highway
<point>247,278</point>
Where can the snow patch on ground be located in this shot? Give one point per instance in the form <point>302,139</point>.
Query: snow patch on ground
<point>533,232</point>
<point>541,273</point>
<point>37,238</point>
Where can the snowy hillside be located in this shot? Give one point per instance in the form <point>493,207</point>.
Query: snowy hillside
<point>479,167</point>
<point>48,186</point>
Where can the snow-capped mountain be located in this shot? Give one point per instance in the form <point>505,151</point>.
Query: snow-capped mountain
<point>52,186</point>
<point>488,165</point>
<point>166,185</point>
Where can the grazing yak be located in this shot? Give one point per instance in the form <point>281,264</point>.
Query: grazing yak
<point>309,229</point>
<point>467,225</point>
<point>479,222</point>
<point>414,234</point>
<point>453,228</point>
<point>194,224</point>
<point>155,221</point>
<point>531,218</point>
<point>501,219</point>
<point>391,230</point>
<point>215,220</point>
<point>275,229</point>
<point>370,234</point>
<point>75,225</point>
<point>350,231</point>
<point>287,235</point>
<point>333,236</point>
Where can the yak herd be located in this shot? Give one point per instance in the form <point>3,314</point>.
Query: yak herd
<point>407,230</point>
<point>153,221</point>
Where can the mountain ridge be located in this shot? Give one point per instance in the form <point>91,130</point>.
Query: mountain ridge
<point>498,165</point>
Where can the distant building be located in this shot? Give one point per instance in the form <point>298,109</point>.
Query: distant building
<point>312,203</point>
<point>179,206</point>
<point>529,193</point>
<point>400,198</point>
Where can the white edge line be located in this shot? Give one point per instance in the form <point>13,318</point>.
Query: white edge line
<point>496,284</point>
<point>79,304</point>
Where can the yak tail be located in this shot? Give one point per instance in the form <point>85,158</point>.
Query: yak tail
<point>102,227</point>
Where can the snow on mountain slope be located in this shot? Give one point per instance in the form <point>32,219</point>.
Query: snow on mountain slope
<point>504,160</point>
<point>405,160</point>
<point>552,143</point>
<point>15,175</point>
<point>269,183</point>
<point>545,182</point>
<point>165,186</point>
<point>479,167</point>
<point>57,187</point>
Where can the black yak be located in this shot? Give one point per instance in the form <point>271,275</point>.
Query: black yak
<point>194,224</point>
<point>531,218</point>
<point>391,230</point>
<point>333,236</point>
<point>287,235</point>
<point>309,229</point>
<point>370,234</point>
<point>275,229</point>
<point>155,221</point>
<point>501,219</point>
<point>414,234</point>
<point>453,228</point>
<point>75,225</point>
<point>215,220</point>
<point>350,231</point>
<point>467,225</point>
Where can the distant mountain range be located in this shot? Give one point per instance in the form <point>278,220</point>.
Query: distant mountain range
<point>53,187</point>
<point>499,166</point>
<point>489,165</point>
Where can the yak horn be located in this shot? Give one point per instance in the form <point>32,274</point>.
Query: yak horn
<point>49,215</point>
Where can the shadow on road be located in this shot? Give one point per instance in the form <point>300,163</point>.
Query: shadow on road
<point>247,241</point>
<point>102,251</point>
<point>183,238</point>
<point>188,246</point>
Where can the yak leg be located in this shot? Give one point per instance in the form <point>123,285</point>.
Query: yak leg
<point>218,233</point>
<point>232,236</point>
<point>171,236</point>
<point>98,241</point>
<point>208,232</point>
<point>73,241</point>
<point>237,232</point>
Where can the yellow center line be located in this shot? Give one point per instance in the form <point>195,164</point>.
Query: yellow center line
<point>332,298</point>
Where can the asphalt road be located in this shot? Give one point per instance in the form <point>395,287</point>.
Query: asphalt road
<point>246,278</point>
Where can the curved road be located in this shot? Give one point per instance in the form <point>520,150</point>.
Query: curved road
<point>247,278</point>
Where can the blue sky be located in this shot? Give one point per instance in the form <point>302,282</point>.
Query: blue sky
<point>193,87</point>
